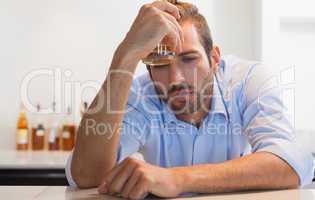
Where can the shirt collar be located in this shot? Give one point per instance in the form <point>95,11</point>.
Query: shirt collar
<point>217,104</point>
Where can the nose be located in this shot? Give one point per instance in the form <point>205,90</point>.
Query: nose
<point>176,74</point>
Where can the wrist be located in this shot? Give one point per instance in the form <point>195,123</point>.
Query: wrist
<point>125,58</point>
<point>129,50</point>
<point>181,178</point>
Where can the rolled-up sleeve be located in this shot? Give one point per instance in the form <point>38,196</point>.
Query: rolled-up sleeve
<point>68,171</point>
<point>267,123</point>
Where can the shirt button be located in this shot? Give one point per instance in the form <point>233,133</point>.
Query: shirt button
<point>171,127</point>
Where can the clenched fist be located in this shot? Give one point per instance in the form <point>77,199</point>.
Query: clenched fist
<point>154,22</point>
<point>135,179</point>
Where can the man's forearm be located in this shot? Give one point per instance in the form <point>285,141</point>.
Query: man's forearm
<point>96,149</point>
<point>256,171</point>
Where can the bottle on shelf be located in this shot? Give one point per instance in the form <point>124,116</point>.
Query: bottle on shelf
<point>68,132</point>
<point>54,131</point>
<point>38,132</point>
<point>22,132</point>
<point>83,108</point>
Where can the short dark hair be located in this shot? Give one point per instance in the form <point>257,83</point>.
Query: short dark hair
<point>190,12</point>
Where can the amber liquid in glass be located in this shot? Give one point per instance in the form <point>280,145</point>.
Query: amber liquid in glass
<point>68,137</point>
<point>38,138</point>
<point>53,139</point>
<point>54,146</point>
<point>161,55</point>
<point>54,131</point>
<point>22,133</point>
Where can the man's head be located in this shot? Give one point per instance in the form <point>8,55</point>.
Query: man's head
<point>186,84</point>
<point>190,13</point>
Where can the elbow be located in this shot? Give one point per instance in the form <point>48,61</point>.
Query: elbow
<point>82,179</point>
<point>295,181</point>
<point>88,177</point>
<point>293,185</point>
<point>83,184</point>
<point>292,180</point>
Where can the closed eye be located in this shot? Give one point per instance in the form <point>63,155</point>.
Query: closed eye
<point>189,59</point>
<point>162,66</point>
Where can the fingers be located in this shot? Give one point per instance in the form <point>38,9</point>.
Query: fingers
<point>104,187</point>
<point>172,39</point>
<point>139,191</point>
<point>171,18</point>
<point>116,186</point>
<point>176,28</point>
<point>169,14</point>
<point>167,7</point>
<point>131,183</point>
<point>129,179</point>
<point>112,174</point>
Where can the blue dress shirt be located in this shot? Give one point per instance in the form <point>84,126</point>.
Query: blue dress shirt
<point>247,115</point>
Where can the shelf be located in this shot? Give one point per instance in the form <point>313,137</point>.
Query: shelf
<point>33,160</point>
<point>297,24</point>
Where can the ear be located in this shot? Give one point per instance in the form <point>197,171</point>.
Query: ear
<point>215,57</point>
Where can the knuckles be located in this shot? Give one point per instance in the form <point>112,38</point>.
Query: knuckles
<point>144,8</point>
<point>139,170</point>
<point>145,179</point>
<point>134,162</point>
<point>152,12</point>
<point>130,161</point>
<point>148,8</point>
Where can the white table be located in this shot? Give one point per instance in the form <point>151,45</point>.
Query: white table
<point>66,193</point>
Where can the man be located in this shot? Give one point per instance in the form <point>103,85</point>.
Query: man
<point>203,123</point>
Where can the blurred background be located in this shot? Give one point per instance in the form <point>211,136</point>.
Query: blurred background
<point>61,50</point>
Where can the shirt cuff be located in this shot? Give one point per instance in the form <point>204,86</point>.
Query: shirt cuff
<point>302,164</point>
<point>68,172</point>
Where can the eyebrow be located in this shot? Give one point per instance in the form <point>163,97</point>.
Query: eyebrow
<point>188,52</point>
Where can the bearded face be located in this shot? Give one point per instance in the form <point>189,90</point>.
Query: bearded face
<point>186,98</point>
<point>185,84</point>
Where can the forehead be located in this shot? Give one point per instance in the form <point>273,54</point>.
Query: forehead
<point>191,38</point>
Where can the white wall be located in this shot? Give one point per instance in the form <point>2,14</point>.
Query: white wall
<point>288,42</point>
<point>81,36</point>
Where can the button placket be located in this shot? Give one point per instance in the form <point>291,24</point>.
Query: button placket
<point>171,127</point>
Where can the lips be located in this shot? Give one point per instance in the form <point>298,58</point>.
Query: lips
<point>182,92</point>
<point>181,95</point>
